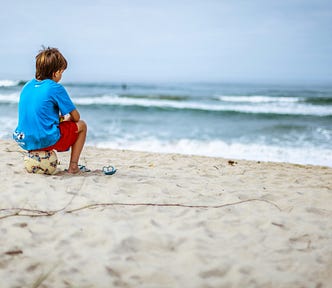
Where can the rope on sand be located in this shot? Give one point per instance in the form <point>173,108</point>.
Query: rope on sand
<point>24,212</point>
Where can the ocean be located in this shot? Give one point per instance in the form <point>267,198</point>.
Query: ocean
<point>262,122</point>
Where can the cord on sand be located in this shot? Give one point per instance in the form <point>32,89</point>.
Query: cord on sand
<point>23,212</point>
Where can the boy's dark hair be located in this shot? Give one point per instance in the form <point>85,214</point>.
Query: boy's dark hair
<point>48,61</point>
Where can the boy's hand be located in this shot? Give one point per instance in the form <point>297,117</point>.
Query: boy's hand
<point>65,118</point>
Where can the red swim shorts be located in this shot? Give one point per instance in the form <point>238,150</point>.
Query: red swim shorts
<point>68,136</point>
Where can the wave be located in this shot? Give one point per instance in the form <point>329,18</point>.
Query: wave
<point>11,98</point>
<point>277,108</point>
<point>8,83</point>
<point>157,97</point>
<point>11,83</point>
<point>219,148</point>
<point>273,99</point>
<point>258,99</point>
<point>7,124</point>
<point>260,108</point>
<point>318,100</point>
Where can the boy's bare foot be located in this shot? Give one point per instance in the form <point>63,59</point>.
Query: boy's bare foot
<point>74,168</point>
<point>73,171</point>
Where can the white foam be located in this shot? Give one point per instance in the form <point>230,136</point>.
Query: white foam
<point>283,108</point>
<point>218,148</point>
<point>7,125</point>
<point>258,99</point>
<point>8,83</point>
<point>9,98</point>
<point>265,108</point>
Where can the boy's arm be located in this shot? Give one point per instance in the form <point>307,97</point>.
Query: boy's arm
<point>74,116</point>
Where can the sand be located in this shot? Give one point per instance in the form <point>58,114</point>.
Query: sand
<point>165,220</point>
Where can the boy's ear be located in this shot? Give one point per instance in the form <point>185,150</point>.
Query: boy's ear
<point>55,74</point>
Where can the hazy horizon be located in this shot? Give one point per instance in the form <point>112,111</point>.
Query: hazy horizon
<point>172,41</point>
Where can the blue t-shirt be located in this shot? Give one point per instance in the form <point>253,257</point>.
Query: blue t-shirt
<point>38,113</point>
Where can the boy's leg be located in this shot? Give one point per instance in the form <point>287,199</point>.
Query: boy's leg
<point>77,147</point>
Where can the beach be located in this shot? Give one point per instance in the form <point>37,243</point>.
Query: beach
<point>165,220</point>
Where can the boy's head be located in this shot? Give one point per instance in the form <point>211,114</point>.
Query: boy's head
<point>48,62</point>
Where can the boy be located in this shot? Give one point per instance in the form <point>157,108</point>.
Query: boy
<point>42,100</point>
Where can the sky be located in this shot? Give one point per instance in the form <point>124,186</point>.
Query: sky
<point>171,40</point>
